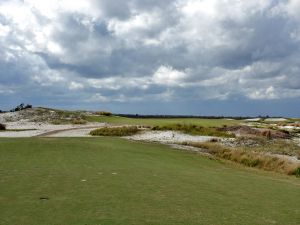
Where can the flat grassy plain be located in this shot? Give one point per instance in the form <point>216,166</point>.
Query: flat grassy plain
<point>108,180</point>
<point>162,122</point>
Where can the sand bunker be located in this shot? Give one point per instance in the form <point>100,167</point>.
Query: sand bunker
<point>48,130</point>
<point>168,137</point>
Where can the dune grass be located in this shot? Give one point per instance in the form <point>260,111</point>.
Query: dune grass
<point>113,181</point>
<point>251,157</point>
<point>115,131</point>
<point>161,121</point>
<point>265,145</point>
<point>195,130</point>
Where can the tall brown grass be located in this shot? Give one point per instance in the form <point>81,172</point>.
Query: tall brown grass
<point>195,130</point>
<point>249,158</point>
<point>115,131</point>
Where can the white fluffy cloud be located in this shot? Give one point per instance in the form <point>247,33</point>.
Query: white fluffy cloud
<point>166,75</point>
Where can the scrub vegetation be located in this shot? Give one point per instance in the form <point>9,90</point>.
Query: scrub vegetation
<point>255,156</point>
<point>115,131</point>
<point>195,130</point>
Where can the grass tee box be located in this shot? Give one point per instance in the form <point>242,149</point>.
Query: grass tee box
<point>162,122</point>
<point>113,181</point>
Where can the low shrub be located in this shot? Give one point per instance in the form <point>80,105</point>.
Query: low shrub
<point>115,131</point>
<point>21,107</point>
<point>195,130</point>
<point>78,121</point>
<point>104,113</point>
<point>2,126</point>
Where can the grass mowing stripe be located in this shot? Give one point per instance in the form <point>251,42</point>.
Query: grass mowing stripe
<point>114,181</point>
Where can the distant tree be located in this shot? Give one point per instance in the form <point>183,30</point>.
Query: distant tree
<point>20,107</point>
<point>28,106</point>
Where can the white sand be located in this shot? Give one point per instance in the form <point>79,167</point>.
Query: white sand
<point>253,119</point>
<point>276,119</point>
<point>44,128</point>
<point>82,132</point>
<point>168,137</point>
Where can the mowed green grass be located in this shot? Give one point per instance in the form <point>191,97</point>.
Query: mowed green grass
<point>105,181</point>
<point>162,121</point>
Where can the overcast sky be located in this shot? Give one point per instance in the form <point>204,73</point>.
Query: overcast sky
<point>220,57</point>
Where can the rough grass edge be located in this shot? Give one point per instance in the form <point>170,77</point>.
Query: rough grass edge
<point>249,158</point>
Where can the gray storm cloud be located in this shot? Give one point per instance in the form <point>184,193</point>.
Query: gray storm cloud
<point>136,50</point>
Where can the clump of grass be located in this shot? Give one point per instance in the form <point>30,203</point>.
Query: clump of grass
<point>298,172</point>
<point>195,130</point>
<point>249,158</point>
<point>2,126</point>
<point>115,131</point>
<point>78,121</point>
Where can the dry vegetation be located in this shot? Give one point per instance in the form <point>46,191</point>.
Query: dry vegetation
<point>195,130</point>
<point>103,113</point>
<point>255,132</point>
<point>115,131</point>
<point>251,157</point>
<point>265,145</point>
<point>42,115</point>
